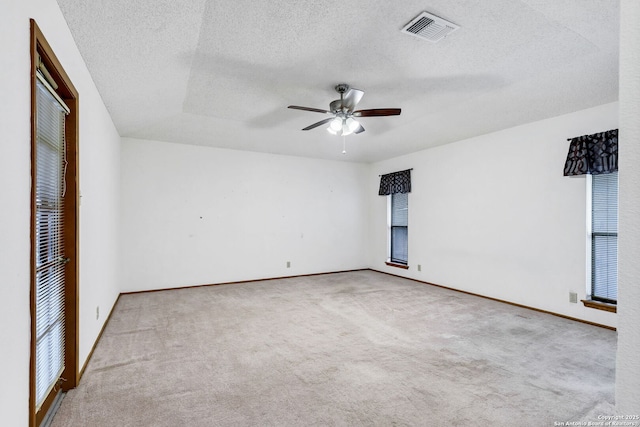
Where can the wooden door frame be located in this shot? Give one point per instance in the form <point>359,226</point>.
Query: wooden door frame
<point>66,90</point>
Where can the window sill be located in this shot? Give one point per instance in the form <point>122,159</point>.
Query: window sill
<point>599,305</point>
<point>393,264</point>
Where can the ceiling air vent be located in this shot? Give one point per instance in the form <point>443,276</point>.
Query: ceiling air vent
<point>429,27</point>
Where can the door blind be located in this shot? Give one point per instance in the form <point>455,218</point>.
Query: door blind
<point>49,256</point>
<point>604,237</point>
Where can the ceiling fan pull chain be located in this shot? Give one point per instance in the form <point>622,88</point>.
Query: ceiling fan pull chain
<point>344,145</point>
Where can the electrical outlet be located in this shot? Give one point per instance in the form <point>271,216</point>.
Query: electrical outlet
<point>288,264</point>
<point>573,297</point>
<point>419,267</point>
<point>97,312</point>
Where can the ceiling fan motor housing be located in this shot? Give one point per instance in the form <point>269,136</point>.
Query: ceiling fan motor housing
<point>336,106</point>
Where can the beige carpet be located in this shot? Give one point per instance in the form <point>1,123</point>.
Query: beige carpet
<point>359,348</point>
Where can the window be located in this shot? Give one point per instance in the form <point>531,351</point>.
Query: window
<point>397,186</point>
<point>604,237</point>
<point>399,228</point>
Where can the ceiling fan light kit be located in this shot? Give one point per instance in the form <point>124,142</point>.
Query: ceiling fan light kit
<point>343,123</point>
<point>342,126</point>
<point>335,125</point>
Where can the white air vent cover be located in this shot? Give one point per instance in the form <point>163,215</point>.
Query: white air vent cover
<point>429,27</point>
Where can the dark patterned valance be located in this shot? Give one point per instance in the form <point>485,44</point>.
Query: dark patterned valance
<point>593,154</point>
<point>396,182</point>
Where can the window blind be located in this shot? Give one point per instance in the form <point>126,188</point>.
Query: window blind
<point>604,237</point>
<point>399,227</point>
<point>49,256</point>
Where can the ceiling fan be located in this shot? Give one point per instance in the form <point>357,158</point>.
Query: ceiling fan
<point>342,111</point>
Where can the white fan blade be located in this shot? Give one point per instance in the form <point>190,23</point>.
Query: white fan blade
<point>351,98</point>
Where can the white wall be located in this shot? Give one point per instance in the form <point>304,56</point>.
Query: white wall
<point>99,177</point>
<point>628,357</point>
<point>494,215</point>
<point>199,215</point>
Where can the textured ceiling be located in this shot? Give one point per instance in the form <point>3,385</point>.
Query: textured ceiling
<point>221,73</point>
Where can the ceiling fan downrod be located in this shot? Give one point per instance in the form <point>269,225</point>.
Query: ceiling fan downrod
<point>337,106</point>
